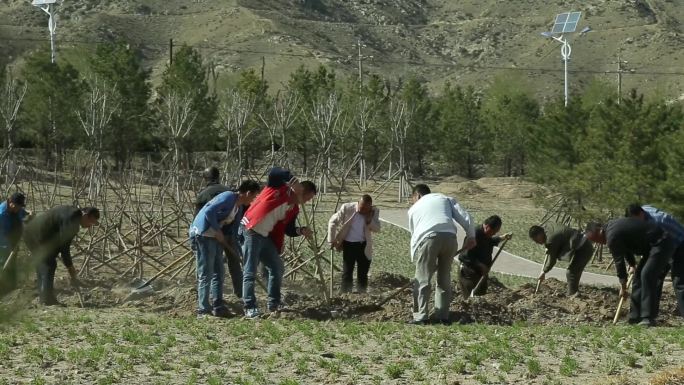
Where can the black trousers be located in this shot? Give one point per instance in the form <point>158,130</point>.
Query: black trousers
<point>677,274</point>
<point>580,259</point>
<point>354,253</point>
<point>235,270</point>
<point>45,270</point>
<point>645,300</point>
<point>468,278</point>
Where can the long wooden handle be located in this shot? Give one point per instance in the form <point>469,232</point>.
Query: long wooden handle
<point>546,259</point>
<point>622,300</point>
<point>479,283</point>
<point>164,270</point>
<point>8,261</point>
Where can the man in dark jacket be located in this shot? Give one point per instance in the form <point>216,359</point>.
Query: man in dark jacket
<point>211,189</point>
<point>625,238</point>
<point>675,231</point>
<point>561,241</point>
<point>50,234</point>
<point>476,263</point>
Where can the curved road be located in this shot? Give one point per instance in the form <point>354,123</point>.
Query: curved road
<point>507,263</point>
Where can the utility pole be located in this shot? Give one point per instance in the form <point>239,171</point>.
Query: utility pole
<point>170,51</point>
<point>619,79</point>
<point>360,64</point>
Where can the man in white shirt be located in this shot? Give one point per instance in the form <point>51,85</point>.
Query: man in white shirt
<point>350,230</point>
<point>432,222</point>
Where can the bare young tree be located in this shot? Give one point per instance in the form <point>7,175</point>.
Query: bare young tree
<point>286,109</point>
<point>234,113</point>
<point>327,125</point>
<point>401,117</point>
<point>178,119</point>
<point>366,113</point>
<point>11,97</point>
<point>99,106</point>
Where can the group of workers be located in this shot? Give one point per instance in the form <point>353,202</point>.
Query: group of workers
<point>246,229</point>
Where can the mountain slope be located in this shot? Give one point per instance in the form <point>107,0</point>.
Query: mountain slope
<point>465,41</point>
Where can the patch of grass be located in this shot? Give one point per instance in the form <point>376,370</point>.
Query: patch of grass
<point>568,366</point>
<point>395,370</point>
<point>533,368</point>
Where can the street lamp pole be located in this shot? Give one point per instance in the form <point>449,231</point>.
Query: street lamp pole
<point>48,6</point>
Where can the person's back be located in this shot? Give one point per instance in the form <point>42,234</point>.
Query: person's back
<point>632,235</point>
<point>433,213</point>
<point>52,228</point>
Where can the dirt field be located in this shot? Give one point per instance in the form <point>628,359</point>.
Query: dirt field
<point>508,336</point>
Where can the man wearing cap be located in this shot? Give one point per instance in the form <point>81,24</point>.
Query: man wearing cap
<point>12,214</point>
<point>271,216</point>
<point>50,234</point>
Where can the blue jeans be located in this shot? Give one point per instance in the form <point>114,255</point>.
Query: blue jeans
<point>258,248</point>
<point>210,272</point>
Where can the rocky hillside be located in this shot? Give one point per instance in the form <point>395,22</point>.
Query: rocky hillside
<point>463,41</point>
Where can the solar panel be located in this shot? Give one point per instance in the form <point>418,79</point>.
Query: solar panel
<point>566,22</point>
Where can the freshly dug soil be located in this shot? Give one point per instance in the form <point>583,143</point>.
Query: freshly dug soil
<point>500,306</point>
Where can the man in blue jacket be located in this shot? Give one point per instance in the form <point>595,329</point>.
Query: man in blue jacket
<point>12,213</point>
<point>213,230</point>
<point>676,231</point>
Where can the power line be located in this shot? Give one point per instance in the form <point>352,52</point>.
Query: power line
<point>215,48</point>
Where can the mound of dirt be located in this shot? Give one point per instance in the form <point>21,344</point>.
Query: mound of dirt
<point>500,306</point>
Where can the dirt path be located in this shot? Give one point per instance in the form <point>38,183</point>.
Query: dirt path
<point>507,262</point>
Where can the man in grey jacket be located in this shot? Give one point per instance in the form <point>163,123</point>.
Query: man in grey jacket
<point>350,230</point>
<point>432,222</point>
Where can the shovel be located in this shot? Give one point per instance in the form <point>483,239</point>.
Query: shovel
<point>546,259</point>
<point>479,283</point>
<point>142,288</point>
<point>622,300</point>
<point>8,261</point>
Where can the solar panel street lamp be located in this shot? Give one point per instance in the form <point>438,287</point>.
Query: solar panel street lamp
<point>565,23</point>
<point>49,7</point>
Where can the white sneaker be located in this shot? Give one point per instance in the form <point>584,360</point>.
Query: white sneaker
<point>252,313</point>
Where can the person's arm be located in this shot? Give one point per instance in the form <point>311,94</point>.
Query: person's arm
<point>374,223</point>
<point>550,261</point>
<point>212,209</point>
<point>462,217</point>
<point>620,259</point>
<point>334,224</point>
<point>65,253</point>
<point>292,230</point>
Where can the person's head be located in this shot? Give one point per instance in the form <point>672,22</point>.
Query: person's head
<point>16,202</point>
<point>211,174</point>
<point>365,204</point>
<point>248,190</point>
<point>594,232</point>
<point>89,216</point>
<point>491,225</point>
<point>537,234</point>
<point>635,210</point>
<point>308,191</point>
<point>419,191</point>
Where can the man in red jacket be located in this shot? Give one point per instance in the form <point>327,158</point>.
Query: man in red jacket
<point>272,215</point>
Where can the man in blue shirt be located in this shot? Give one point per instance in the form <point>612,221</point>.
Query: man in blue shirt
<point>12,214</point>
<point>676,232</point>
<point>213,230</point>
